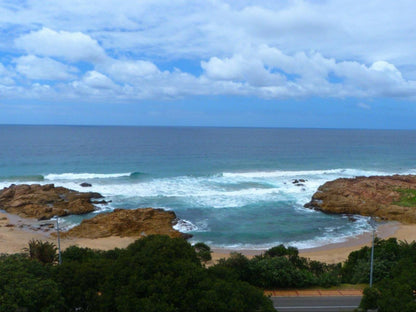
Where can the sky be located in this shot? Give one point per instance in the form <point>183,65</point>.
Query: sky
<point>317,63</point>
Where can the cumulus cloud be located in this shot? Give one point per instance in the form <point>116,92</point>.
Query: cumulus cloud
<point>311,74</point>
<point>243,69</point>
<point>269,49</point>
<point>130,71</point>
<point>73,46</point>
<point>36,68</point>
<point>97,80</point>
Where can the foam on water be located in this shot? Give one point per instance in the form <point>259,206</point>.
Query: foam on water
<point>83,176</point>
<point>200,201</point>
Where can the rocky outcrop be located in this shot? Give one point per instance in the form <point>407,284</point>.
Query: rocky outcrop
<point>378,196</point>
<point>125,222</point>
<point>45,201</point>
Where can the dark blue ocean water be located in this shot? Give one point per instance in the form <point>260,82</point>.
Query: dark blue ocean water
<point>230,187</point>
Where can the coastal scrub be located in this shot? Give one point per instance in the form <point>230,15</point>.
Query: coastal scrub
<point>407,198</point>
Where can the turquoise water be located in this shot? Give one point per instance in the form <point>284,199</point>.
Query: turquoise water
<point>230,187</point>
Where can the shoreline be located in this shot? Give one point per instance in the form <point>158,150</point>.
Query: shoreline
<point>16,232</point>
<point>335,252</point>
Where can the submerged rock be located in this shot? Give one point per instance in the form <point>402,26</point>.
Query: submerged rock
<point>85,184</point>
<point>378,196</point>
<point>125,222</point>
<point>45,201</point>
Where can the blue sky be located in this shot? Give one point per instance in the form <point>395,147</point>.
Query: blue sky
<point>329,64</point>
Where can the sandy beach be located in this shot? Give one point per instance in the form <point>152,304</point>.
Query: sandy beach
<point>15,235</point>
<point>338,252</point>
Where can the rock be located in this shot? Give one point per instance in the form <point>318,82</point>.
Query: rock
<point>85,184</point>
<point>125,222</point>
<point>45,201</point>
<point>376,196</point>
<point>299,182</point>
<point>102,202</point>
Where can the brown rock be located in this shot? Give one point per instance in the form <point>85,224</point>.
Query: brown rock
<point>369,196</point>
<point>45,201</point>
<point>125,222</point>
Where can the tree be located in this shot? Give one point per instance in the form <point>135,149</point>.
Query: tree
<point>45,252</point>
<point>27,285</point>
<point>203,252</point>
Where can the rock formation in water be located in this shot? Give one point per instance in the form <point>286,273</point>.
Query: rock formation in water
<point>45,201</point>
<point>385,197</point>
<point>125,222</point>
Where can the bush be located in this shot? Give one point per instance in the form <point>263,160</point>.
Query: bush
<point>280,267</point>
<point>203,252</point>
<point>370,297</point>
<point>27,285</point>
<point>155,273</point>
<point>45,252</point>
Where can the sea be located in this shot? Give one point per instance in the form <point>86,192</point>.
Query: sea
<point>236,188</point>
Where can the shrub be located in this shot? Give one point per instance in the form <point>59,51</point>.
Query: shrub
<point>203,252</point>
<point>45,252</point>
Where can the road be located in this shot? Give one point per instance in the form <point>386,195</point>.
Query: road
<point>316,304</point>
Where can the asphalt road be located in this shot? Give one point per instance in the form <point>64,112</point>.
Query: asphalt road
<point>316,304</point>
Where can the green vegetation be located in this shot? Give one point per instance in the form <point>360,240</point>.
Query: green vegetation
<point>155,273</point>
<point>280,267</point>
<point>158,273</point>
<point>203,252</point>
<point>44,252</point>
<point>407,198</point>
<point>394,275</point>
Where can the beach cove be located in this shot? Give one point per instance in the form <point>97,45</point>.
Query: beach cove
<point>14,239</point>
<point>232,188</point>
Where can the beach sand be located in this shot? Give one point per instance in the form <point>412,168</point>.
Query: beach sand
<point>14,237</point>
<point>338,252</point>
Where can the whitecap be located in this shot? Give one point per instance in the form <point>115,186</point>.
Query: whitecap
<point>84,176</point>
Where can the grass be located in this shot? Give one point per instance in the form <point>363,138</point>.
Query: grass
<point>407,198</point>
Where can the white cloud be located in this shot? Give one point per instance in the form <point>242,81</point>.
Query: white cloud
<point>272,49</point>
<point>97,80</point>
<point>308,75</point>
<point>36,68</point>
<point>6,76</point>
<point>73,46</point>
<point>130,71</point>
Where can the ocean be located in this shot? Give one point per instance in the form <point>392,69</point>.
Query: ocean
<point>230,187</point>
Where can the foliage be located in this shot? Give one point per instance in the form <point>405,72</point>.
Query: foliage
<point>27,285</point>
<point>45,252</point>
<point>394,292</point>
<point>158,273</point>
<point>155,273</point>
<point>357,267</point>
<point>203,252</point>
<point>370,297</point>
<point>280,267</point>
<point>407,198</point>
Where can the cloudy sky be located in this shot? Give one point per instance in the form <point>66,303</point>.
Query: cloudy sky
<point>336,64</point>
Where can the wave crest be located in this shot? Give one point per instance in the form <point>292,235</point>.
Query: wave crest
<point>84,176</point>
